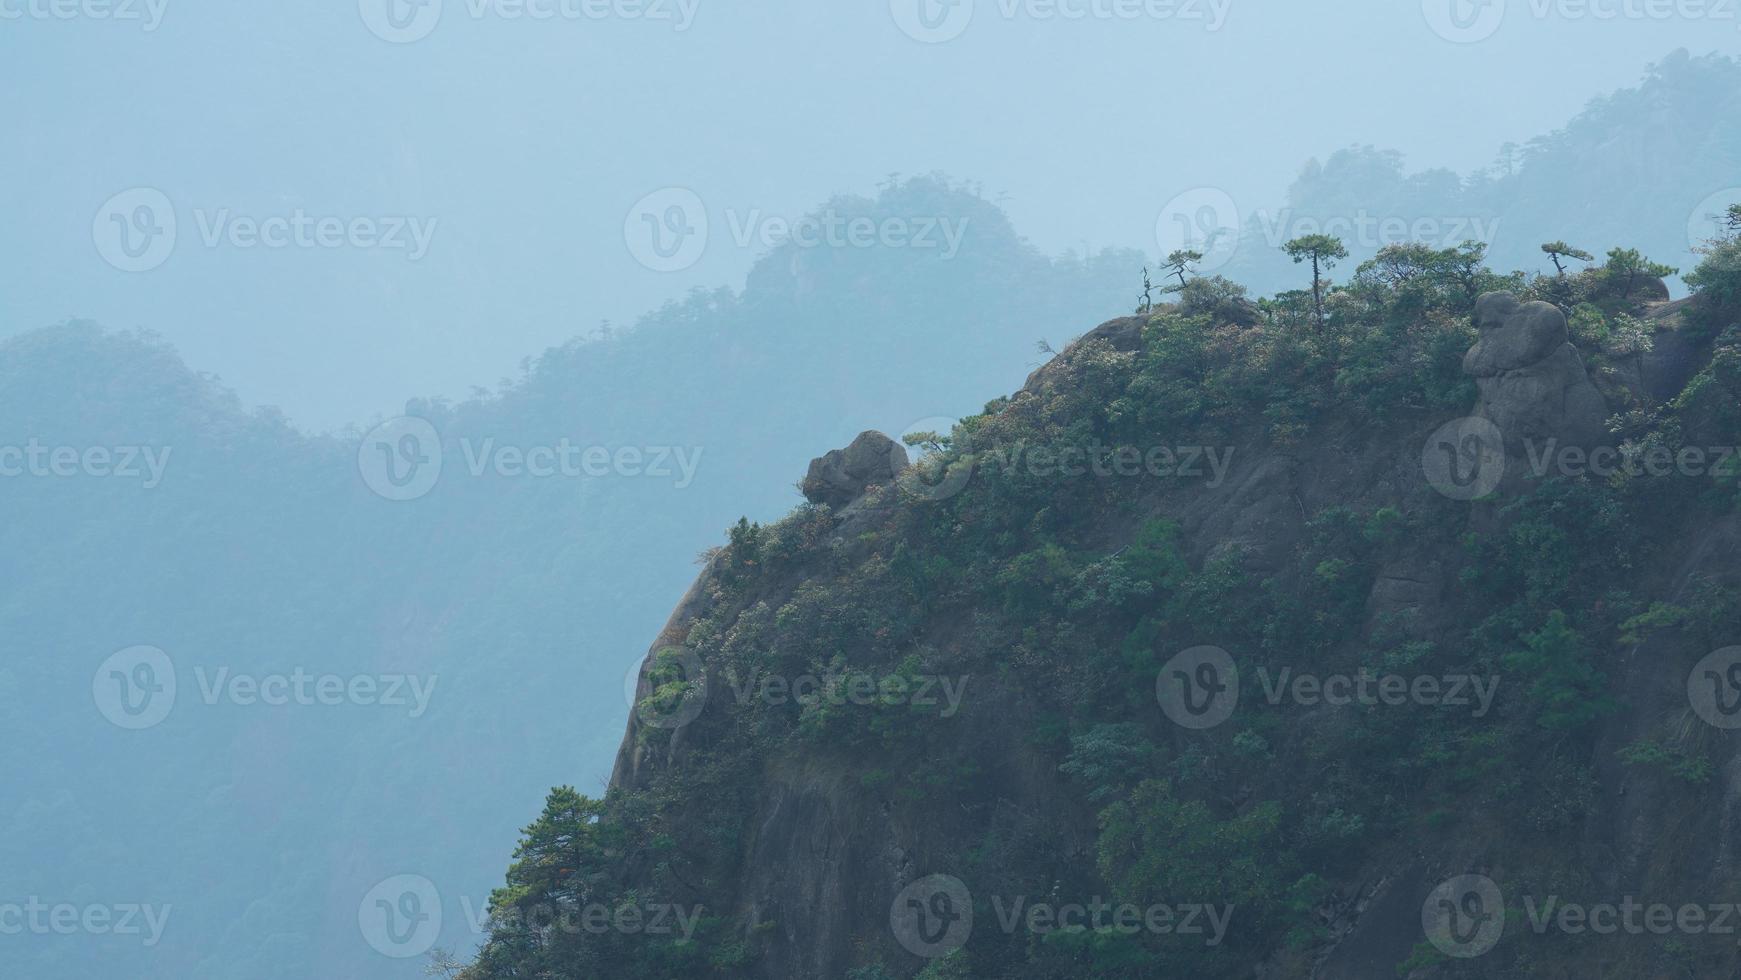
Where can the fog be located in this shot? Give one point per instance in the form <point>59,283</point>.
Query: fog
<point>522,137</point>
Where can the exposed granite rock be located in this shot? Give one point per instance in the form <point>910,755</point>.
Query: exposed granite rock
<point>842,476</point>
<point>1513,335</point>
<point>1533,383</point>
<point>1123,334</point>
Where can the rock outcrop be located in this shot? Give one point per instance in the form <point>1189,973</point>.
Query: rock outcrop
<point>843,475</point>
<point>1533,383</point>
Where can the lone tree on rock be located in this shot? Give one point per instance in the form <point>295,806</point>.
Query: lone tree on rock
<point>1323,250</point>
<point>1557,250</point>
<point>1180,263</point>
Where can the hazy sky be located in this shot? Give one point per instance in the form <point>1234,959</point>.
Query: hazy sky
<point>481,169</point>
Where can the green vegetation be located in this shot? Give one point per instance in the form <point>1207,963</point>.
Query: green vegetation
<point>1061,599</point>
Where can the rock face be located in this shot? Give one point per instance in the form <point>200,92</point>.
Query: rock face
<point>1533,383</point>
<point>826,854</point>
<point>842,476</point>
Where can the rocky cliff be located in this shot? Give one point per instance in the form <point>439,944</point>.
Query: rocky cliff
<point>1291,649</point>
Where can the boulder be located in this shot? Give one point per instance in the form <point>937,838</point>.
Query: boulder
<point>1513,335</point>
<point>1533,383</point>
<point>842,476</point>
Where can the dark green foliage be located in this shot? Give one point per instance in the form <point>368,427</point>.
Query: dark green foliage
<point>1067,595</point>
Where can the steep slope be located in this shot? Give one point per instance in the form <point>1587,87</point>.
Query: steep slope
<point>1296,648</point>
